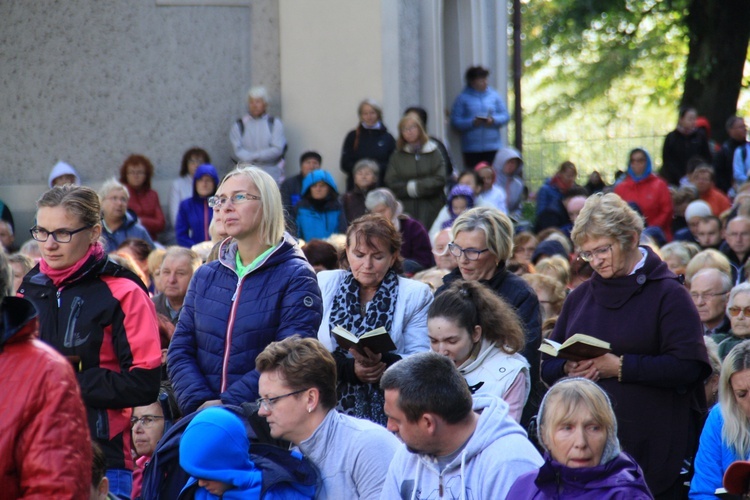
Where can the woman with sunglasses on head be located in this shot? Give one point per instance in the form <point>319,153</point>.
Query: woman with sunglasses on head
<point>260,289</point>
<point>738,310</point>
<point>99,316</point>
<point>482,243</point>
<point>658,360</point>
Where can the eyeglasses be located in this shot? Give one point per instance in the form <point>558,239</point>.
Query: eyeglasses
<point>235,199</point>
<point>599,253</point>
<point>147,421</point>
<point>697,297</point>
<point>469,253</point>
<point>121,199</point>
<point>267,403</point>
<point>735,311</point>
<point>59,235</point>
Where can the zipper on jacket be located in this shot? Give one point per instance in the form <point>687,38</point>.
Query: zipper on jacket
<point>58,298</point>
<point>440,485</point>
<point>228,336</point>
<point>75,311</point>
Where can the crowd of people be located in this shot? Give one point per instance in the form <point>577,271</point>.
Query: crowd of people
<point>291,340</point>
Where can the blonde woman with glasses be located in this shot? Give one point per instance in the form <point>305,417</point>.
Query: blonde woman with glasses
<point>261,289</point>
<point>658,359</point>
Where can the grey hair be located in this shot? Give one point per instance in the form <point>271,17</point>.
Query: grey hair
<point>258,92</point>
<point>112,185</point>
<point>607,216</point>
<point>724,278</point>
<point>367,163</point>
<point>178,251</point>
<point>384,196</point>
<point>737,290</point>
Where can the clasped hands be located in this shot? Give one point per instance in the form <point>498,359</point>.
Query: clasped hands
<point>368,367</point>
<point>604,366</point>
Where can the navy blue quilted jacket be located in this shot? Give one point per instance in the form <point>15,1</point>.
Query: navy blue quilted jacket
<point>226,322</point>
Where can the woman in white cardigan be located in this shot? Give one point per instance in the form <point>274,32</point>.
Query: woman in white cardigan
<point>366,295</point>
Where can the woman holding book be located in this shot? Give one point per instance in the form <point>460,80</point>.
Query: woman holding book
<point>658,359</point>
<point>482,335</point>
<point>365,295</point>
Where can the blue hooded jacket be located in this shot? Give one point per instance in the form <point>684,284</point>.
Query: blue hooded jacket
<point>195,215</point>
<point>215,447</point>
<point>472,103</point>
<point>319,219</point>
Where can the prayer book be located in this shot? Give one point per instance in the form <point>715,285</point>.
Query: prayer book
<point>377,340</point>
<point>576,348</point>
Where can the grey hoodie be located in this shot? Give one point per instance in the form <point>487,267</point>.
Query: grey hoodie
<point>493,458</point>
<point>512,185</point>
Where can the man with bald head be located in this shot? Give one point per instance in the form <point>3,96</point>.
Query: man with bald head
<point>736,246</point>
<point>709,289</point>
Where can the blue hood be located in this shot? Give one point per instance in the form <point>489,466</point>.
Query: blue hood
<point>205,169</point>
<point>649,165</point>
<point>215,447</point>
<point>317,176</point>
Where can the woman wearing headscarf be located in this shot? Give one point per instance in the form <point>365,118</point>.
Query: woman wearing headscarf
<point>578,430</point>
<point>648,191</point>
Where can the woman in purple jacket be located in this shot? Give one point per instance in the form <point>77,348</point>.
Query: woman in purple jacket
<point>658,362</point>
<point>578,430</point>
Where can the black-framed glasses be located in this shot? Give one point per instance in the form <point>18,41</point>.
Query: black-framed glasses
<point>599,253</point>
<point>735,311</point>
<point>235,199</point>
<point>267,403</point>
<point>469,253</point>
<point>59,235</point>
<point>147,421</point>
<point>706,295</point>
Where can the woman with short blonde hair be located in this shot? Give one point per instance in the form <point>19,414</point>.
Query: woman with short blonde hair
<point>636,304</point>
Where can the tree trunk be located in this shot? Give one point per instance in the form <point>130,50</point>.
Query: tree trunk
<point>719,31</point>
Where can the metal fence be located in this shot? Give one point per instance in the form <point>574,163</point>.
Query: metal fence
<point>606,155</point>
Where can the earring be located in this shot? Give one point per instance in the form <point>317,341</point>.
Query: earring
<point>309,410</point>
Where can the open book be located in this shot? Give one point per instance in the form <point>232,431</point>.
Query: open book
<point>576,348</point>
<point>378,340</point>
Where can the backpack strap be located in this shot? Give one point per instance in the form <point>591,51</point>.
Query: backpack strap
<point>241,126</point>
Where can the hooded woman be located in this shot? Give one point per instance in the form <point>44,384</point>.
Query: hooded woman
<point>508,167</point>
<point>194,216</point>
<point>578,430</point>
<point>648,191</point>
<point>319,212</point>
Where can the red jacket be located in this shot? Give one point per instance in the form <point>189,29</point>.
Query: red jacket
<point>45,449</point>
<point>145,203</point>
<point>651,194</point>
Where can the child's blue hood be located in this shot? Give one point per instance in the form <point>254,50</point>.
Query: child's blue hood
<point>316,176</point>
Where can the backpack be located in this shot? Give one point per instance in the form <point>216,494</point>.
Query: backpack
<point>290,475</point>
<point>271,121</point>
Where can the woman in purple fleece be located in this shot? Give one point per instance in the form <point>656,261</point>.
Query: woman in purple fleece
<point>658,362</point>
<point>578,430</point>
